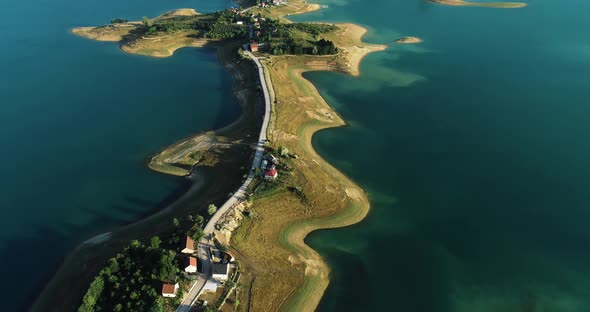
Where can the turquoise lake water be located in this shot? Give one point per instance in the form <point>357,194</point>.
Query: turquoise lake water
<point>473,149</point>
<point>78,120</point>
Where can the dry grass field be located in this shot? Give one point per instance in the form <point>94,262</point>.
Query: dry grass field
<point>284,273</point>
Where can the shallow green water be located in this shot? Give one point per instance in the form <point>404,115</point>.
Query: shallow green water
<point>473,149</point>
<point>78,120</point>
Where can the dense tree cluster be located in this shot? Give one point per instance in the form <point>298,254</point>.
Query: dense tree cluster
<point>132,280</point>
<point>321,47</point>
<point>224,26</point>
<point>295,38</point>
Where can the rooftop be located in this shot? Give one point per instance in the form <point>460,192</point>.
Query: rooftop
<point>190,244</point>
<point>168,289</point>
<point>220,268</point>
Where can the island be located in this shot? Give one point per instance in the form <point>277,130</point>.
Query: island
<point>499,5</point>
<point>407,40</point>
<point>281,189</point>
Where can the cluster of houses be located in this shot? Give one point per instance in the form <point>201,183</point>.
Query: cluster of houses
<point>267,3</point>
<point>220,269</point>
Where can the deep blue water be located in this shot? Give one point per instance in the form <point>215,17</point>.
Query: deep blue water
<point>473,148</point>
<point>78,120</point>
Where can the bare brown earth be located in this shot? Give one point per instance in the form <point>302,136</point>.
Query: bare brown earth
<point>499,5</point>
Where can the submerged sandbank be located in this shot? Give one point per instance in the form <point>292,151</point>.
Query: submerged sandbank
<point>407,40</point>
<point>499,5</point>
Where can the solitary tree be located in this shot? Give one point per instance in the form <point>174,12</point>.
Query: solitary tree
<point>146,22</point>
<point>198,235</point>
<point>199,220</point>
<point>155,242</point>
<point>176,222</point>
<point>283,151</point>
<point>135,243</point>
<point>212,209</point>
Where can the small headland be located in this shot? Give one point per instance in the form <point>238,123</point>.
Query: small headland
<point>499,5</point>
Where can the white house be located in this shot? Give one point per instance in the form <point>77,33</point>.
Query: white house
<point>191,265</point>
<point>169,290</point>
<point>271,175</point>
<point>189,246</point>
<point>220,271</point>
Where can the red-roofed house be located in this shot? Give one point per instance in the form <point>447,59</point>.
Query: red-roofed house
<point>189,246</point>
<point>169,290</point>
<point>254,47</point>
<point>271,175</point>
<point>191,265</point>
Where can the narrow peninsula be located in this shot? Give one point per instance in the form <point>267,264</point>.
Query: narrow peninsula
<point>256,237</point>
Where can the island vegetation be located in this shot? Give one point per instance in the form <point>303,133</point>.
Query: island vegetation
<point>309,194</point>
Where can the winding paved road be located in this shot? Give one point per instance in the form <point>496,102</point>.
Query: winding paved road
<point>239,195</point>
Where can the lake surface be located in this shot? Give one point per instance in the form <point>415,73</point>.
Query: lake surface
<point>79,119</point>
<point>473,148</point>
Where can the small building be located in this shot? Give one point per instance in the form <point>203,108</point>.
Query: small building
<point>240,23</point>
<point>169,290</point>
<point>254,47</point>
<point>189,246</point>
<point>191,265</point>
<point>220,271</point>
<point>211,285</point>
<point>271,175</point>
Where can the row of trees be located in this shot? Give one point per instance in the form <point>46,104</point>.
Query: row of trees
<point>119,21</point>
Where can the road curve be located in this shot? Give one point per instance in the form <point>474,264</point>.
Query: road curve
<point>239,195</point>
